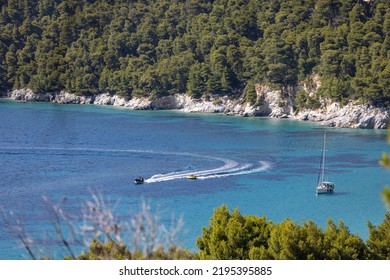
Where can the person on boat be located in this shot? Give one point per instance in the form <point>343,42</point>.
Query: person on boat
<point>139,179</point>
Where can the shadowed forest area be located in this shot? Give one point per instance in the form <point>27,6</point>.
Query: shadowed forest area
<point>157,48</point>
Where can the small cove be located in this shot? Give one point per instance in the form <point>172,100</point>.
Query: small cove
<point>262,166</point>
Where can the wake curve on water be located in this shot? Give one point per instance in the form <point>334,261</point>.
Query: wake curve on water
<point>223,171</point>
<point>229,167</point>
<point>263,166</point>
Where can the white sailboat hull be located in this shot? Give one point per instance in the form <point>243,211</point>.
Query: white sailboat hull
<point>325,187</point>
<point>321,191</point>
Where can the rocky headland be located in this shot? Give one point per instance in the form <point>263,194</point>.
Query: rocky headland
<point>271,103</point>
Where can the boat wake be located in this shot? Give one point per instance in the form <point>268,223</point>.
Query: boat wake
<point>228,168</point>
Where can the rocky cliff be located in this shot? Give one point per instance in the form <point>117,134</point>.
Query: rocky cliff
<point>271,103</point>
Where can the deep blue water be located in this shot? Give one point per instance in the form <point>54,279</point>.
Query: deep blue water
<point>262,166</point>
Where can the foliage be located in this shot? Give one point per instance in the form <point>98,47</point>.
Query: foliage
<point>385,161</point>
<point>112,250</point>
<point>379,240</point>
<point>304,100</point>
<point>233,236</point>
<point>158,48</point>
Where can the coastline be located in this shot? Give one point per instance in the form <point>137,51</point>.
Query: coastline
<point>272,105</point>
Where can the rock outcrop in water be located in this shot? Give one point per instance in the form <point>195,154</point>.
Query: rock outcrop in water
<point>272,103</point>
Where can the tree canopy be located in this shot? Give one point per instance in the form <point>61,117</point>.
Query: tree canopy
<point>156,48</point>
<point>231,236</point>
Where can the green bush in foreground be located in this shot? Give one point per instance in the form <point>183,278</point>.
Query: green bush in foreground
<point>112,250</point>
<point>233,236</point>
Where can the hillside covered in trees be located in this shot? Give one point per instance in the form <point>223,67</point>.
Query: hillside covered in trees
<point>156,48</point>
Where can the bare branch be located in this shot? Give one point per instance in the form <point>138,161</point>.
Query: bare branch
<point>16,228</point>
<point>144,232</point>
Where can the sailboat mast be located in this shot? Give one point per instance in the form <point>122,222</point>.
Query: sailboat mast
<point>320,178</point>
<point>323,159</point>
<point>322,186</point>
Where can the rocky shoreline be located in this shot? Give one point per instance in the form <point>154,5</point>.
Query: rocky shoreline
<point>272,105</point>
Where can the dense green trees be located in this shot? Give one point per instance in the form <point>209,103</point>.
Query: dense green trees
<point>380,239</point>
<point>112,250</point>
<point>157,48</point>
<point>231,236</point>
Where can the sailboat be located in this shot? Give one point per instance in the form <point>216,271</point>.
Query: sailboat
<point>322,185</point>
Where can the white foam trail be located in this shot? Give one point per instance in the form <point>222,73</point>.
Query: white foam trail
<point>75,149</point>
<point>229,165</point>
<point>229,168</point>
<point>264,166</point>
<point>213,173</point>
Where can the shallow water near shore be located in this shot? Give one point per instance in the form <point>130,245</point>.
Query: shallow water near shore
<point>262,166</point>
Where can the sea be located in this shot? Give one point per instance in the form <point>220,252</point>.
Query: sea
<point>55,159</point>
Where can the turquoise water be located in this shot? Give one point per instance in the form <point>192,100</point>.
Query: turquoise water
<point>262,166</point>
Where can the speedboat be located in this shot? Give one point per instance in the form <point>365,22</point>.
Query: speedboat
<point>139,180</point>
<point>191,177</point>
